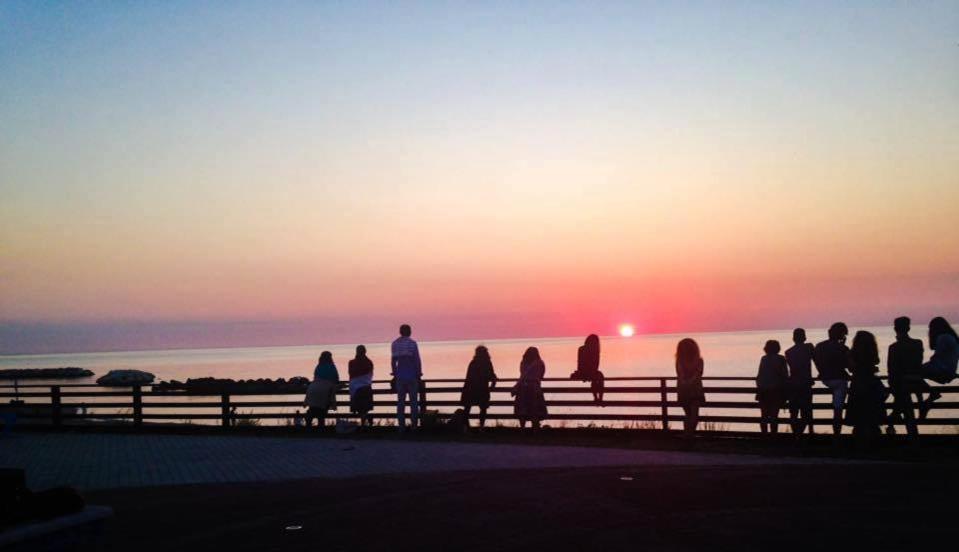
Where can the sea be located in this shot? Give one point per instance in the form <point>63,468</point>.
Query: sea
<point>724,353</point>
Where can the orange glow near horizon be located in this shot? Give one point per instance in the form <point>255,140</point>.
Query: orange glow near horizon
<point>627,330</point>
<point>555,170</point>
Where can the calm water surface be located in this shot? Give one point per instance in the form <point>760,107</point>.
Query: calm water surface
<point>725,354</point>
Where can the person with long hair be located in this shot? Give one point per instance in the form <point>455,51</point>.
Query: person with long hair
<point>865,412</point>
<point>944,342</point>
<point>689,382</point>
<point>941,367</point>
<point>361,386</point>
<point>480,378</point>
<point>530,404</point>
<point>587,367</point>
<point>771,386</point>
<point>321,393</point>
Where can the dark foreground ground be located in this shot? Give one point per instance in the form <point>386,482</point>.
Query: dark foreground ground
<point>817,507</point>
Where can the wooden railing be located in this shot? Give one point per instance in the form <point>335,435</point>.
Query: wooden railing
<point>646,401</point>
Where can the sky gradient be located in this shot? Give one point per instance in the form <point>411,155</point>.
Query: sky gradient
<point>204,174</point>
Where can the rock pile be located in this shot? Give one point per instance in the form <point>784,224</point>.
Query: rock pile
<point>123,378</point>
<point>45,373</point>
<point>206,386</point>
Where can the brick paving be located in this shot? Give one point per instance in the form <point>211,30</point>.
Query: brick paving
<point>108,461</point>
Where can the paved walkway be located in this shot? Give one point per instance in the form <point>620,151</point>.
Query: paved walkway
<point>105,461</point>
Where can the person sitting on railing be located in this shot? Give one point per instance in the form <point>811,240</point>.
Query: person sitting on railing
<point>799,361</point>
<point>943,340</point>
<point>941,368</point>
<point>361,385</point>
<point>833,362</point>
<point>480,378</point>
<point>904,364</point>
<point>321,393</point>
<point>530,405</point>
<point>689,384</point>
<point>587,367</point>
<point>867,394</point>
<point>771,385</point>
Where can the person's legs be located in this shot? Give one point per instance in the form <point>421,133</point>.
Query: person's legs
<point>686,417</point>
<point>807,417</point>
<point>794,423</point>
<point>401,391</point>
<point>414,390</point>
<point>466,414</point>
<point>912,429</point>
<point>693,418</point>
<point>906,410</point>
<point>598,386</point>
<point>839,389</point>
<point>482,417</point>
<point>773,415</point>
<point>763,418</point>
<point>522,423</point>
<point>536,424</point>
<point>938,372</point>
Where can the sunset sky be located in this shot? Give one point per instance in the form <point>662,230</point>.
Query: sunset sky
<point>221,174</point>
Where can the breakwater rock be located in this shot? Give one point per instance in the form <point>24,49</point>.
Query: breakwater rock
<point>45,373</point>
<point>122,378</point>
<point>206,386</point>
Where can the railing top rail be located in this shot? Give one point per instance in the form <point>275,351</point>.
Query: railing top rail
<point>386,381</point>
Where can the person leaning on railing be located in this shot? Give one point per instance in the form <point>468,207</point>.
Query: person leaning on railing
<point>833,363</point>
<point>407,372</point>
<point>904,366</point>
<point>799,362</point>
<point>321,393</point>
<point>866,411</point>
<point>689,383</point>
<point>530,405</point>
<point>771,384</point>
<point>360,370</point>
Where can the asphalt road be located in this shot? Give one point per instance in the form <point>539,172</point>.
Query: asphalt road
<point>769,507</point>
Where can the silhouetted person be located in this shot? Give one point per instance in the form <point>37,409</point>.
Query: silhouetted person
<point>321,393</point>
<point>866,412</point>
<point>480,378</point>
<point>799,361</point>
<point>689,382</point>
<point>771,386</point>
<point>904,364</point>
<point>941,368</point>
<point>587,367</point>
<point>407,372</point>
<point>833,363</point>
<point>530,404</point>
<point>361,385</point>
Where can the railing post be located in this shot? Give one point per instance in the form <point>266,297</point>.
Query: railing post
<point>422,401</point>
<point>55,405</point>
<point>663,400</point>
<point>137,405</point>
<point>225,409</point>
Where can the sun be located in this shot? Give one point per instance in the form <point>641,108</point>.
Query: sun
<point>626,330</point>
